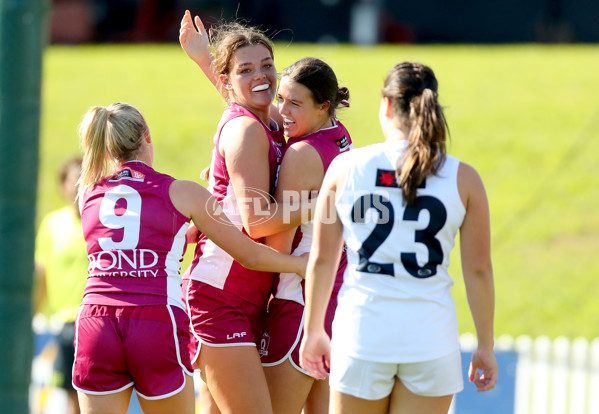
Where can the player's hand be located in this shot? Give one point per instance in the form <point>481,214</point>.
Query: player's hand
<point>483,360</point>
<point>193,234</point>
<point>195,41</point>
<point>315,354</point>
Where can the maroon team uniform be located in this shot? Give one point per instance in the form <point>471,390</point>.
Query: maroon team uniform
<point>227,302</point>
<point>132,329</point>
<point>284,327</point>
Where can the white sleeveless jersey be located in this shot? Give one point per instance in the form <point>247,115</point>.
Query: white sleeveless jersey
<point>395,304</point>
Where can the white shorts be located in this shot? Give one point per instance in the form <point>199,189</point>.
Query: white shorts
<point>375,380</point>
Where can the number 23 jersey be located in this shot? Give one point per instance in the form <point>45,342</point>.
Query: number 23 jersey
<point>395,305</point>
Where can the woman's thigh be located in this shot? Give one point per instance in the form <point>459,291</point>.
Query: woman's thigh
<point>235,378</point>
<point>405,401</point>
<point>181,403</point>
<point>341,403</point>
<point>288,387</point>
<point>116,403</point>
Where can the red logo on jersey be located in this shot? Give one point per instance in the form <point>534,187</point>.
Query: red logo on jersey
<point>385,178</point>
<point>342,143</point>
<point>128,174</point>
<point>138,175</point>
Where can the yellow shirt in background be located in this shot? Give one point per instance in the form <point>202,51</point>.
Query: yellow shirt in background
<point>61,249</point>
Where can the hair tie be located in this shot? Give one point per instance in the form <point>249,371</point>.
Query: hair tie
<point>344,102</point>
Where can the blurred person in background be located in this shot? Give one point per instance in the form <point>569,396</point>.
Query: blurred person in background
<point>60,262</point>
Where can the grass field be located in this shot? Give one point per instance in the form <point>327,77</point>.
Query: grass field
<point>526,117</point>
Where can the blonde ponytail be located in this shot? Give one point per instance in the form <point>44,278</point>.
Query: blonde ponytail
<point>108,137</point>
<point>92,138</point>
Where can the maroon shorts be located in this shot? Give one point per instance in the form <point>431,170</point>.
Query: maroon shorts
<point>117,347</point>
<point>283,331</point>
<point>220,318</point>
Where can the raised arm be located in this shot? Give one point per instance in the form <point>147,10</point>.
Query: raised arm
<point>475,247</point>
<point>320,275</point>
<point>196,43</point>
<point>195,202</point>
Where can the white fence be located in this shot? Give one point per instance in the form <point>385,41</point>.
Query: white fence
<point>536,376</point>
<point>551,376</point>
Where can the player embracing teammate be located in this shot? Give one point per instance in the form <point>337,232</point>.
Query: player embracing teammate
<point>397,207</point>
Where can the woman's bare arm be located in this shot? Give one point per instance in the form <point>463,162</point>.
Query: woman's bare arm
<point>475,247</point>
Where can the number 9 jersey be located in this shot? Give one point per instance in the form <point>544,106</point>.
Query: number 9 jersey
<point>395,305</point>
<point>135,239</point>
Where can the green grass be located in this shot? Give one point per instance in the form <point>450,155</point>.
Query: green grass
<point>526,117</point>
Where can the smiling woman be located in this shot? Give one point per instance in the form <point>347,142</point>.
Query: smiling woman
<point>308,97</point>
<point>227,306</point>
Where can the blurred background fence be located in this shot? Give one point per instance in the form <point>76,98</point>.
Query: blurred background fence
<point>538,376</point>
<point>356,21</point>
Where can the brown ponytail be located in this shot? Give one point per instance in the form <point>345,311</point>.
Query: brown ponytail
<point>320,78</point>
<point>412,89</point>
